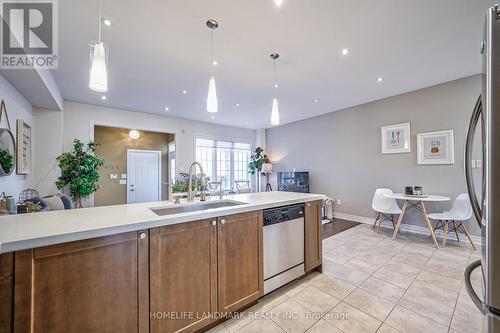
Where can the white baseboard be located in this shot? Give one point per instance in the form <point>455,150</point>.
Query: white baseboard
<point>414,229</point>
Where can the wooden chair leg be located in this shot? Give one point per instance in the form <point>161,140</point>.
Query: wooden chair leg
<point>445,233</point>
<point>466,232</point>
<point>382,217</point>
<point>439,224</point>
<point>456,231</point>
<point>376,220</point>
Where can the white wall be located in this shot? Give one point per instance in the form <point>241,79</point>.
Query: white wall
<point>17,108</point>
<point>78,120</point>
<point>341,149</point>
<point>48,145</point>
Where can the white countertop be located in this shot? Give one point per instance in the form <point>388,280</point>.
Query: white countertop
<point>26,231</point>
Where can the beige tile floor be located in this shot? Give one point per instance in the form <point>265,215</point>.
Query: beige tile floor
<point>371,283</point>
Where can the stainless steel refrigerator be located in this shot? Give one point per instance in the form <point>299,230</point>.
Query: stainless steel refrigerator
<point>486,206</point>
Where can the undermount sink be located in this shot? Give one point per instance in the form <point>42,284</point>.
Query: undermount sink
<point>161,211</point>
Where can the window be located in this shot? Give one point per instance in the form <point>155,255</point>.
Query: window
<point>223,158</point>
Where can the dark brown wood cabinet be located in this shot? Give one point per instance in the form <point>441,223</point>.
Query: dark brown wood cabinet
<point>175,278</point>
<point>94,285</point>
<point>6,291</point>
<point>313,238</point>
<point>240,260</point>
<point>183,276</point>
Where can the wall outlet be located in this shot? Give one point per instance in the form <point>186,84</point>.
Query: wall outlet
<point>339,202</point>
<point>123,182</point>
<point>473,164</point>
<point>124,176</point>
<point>113,176</point>
<point>479,164</point>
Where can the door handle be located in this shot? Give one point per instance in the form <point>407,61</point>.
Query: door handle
<point>476,115</point>
<point>468,285</point>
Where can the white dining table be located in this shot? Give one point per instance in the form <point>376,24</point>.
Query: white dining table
<point>417,202</point>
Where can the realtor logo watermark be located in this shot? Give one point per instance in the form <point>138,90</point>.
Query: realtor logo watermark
<point>29,34</point>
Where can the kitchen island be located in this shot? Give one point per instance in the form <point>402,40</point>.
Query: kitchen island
<point>140,267</point>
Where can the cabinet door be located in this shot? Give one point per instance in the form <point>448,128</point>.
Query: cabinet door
<point>94,285</point>
<point>313,237</point>
<point>6,291</point>
<point>240,261</point>
<point>183,276</point>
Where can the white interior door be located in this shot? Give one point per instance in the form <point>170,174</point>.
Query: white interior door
<point>144,175</point>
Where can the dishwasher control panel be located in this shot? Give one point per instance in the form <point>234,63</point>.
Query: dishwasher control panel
<point>283,214</point>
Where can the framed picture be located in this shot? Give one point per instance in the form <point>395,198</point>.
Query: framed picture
<point>436,148</point>
<point>396,139</point>
<point>23,163</point>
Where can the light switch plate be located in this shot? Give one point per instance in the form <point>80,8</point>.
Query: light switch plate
<point>123,182</point>
<point>479,164</point>
<point>113,176</point>
<point>473,164</point>
<point>124,176</point>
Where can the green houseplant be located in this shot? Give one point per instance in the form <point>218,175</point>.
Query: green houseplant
<point>79,171</point>
<point>256,160</point>
<point>182,183</point>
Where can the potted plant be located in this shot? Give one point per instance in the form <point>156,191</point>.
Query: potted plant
<point>182,183</point>
<point>79,171</point>
<point>257,159</point>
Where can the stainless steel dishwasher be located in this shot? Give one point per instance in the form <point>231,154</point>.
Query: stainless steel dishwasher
<point>283,246</point>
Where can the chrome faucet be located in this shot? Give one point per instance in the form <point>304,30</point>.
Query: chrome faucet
<point>221,190</point>
<point>203,184</point>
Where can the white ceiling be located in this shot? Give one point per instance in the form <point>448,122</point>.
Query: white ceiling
<point>157,48</point>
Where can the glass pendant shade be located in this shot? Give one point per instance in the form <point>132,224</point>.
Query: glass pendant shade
<point>212,96</point>
<point>275,113</point>
<point>98,80</point>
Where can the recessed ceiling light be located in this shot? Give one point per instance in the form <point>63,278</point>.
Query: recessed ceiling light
<point>103,97</point>
<point>134,134</point>
<point>107,22</point>
<point>167,108</point>
<point>278,3</point>
<point>380,79</point>
<point>315,100</point>
<point>345,51</point>
<point>213,117</point>
<point>275,86</point>
<point>215,63</point>
<point>237,105</point>
<point>184,92</point>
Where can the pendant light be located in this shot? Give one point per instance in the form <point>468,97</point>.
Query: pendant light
<point>212,90</point>
<point>98,78</point>
<point>275,111</point>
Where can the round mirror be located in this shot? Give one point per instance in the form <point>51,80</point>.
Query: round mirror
<point>7,145</point>
<point>7,152</point>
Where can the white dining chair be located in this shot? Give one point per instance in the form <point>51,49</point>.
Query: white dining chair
<point>460,212</point>
<point>385,206</point>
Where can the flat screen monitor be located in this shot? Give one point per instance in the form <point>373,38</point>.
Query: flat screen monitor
<point>293,181</point>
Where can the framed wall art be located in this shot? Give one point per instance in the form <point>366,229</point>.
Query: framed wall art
<point>23,163</point>
<point>396,138</point>
<point>435,148</point>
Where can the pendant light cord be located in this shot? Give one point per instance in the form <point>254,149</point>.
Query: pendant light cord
<point>274,75</point>
<point>100,27</point>
<point>212,52</point>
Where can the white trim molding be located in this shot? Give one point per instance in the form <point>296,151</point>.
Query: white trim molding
<point>414,229</point>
